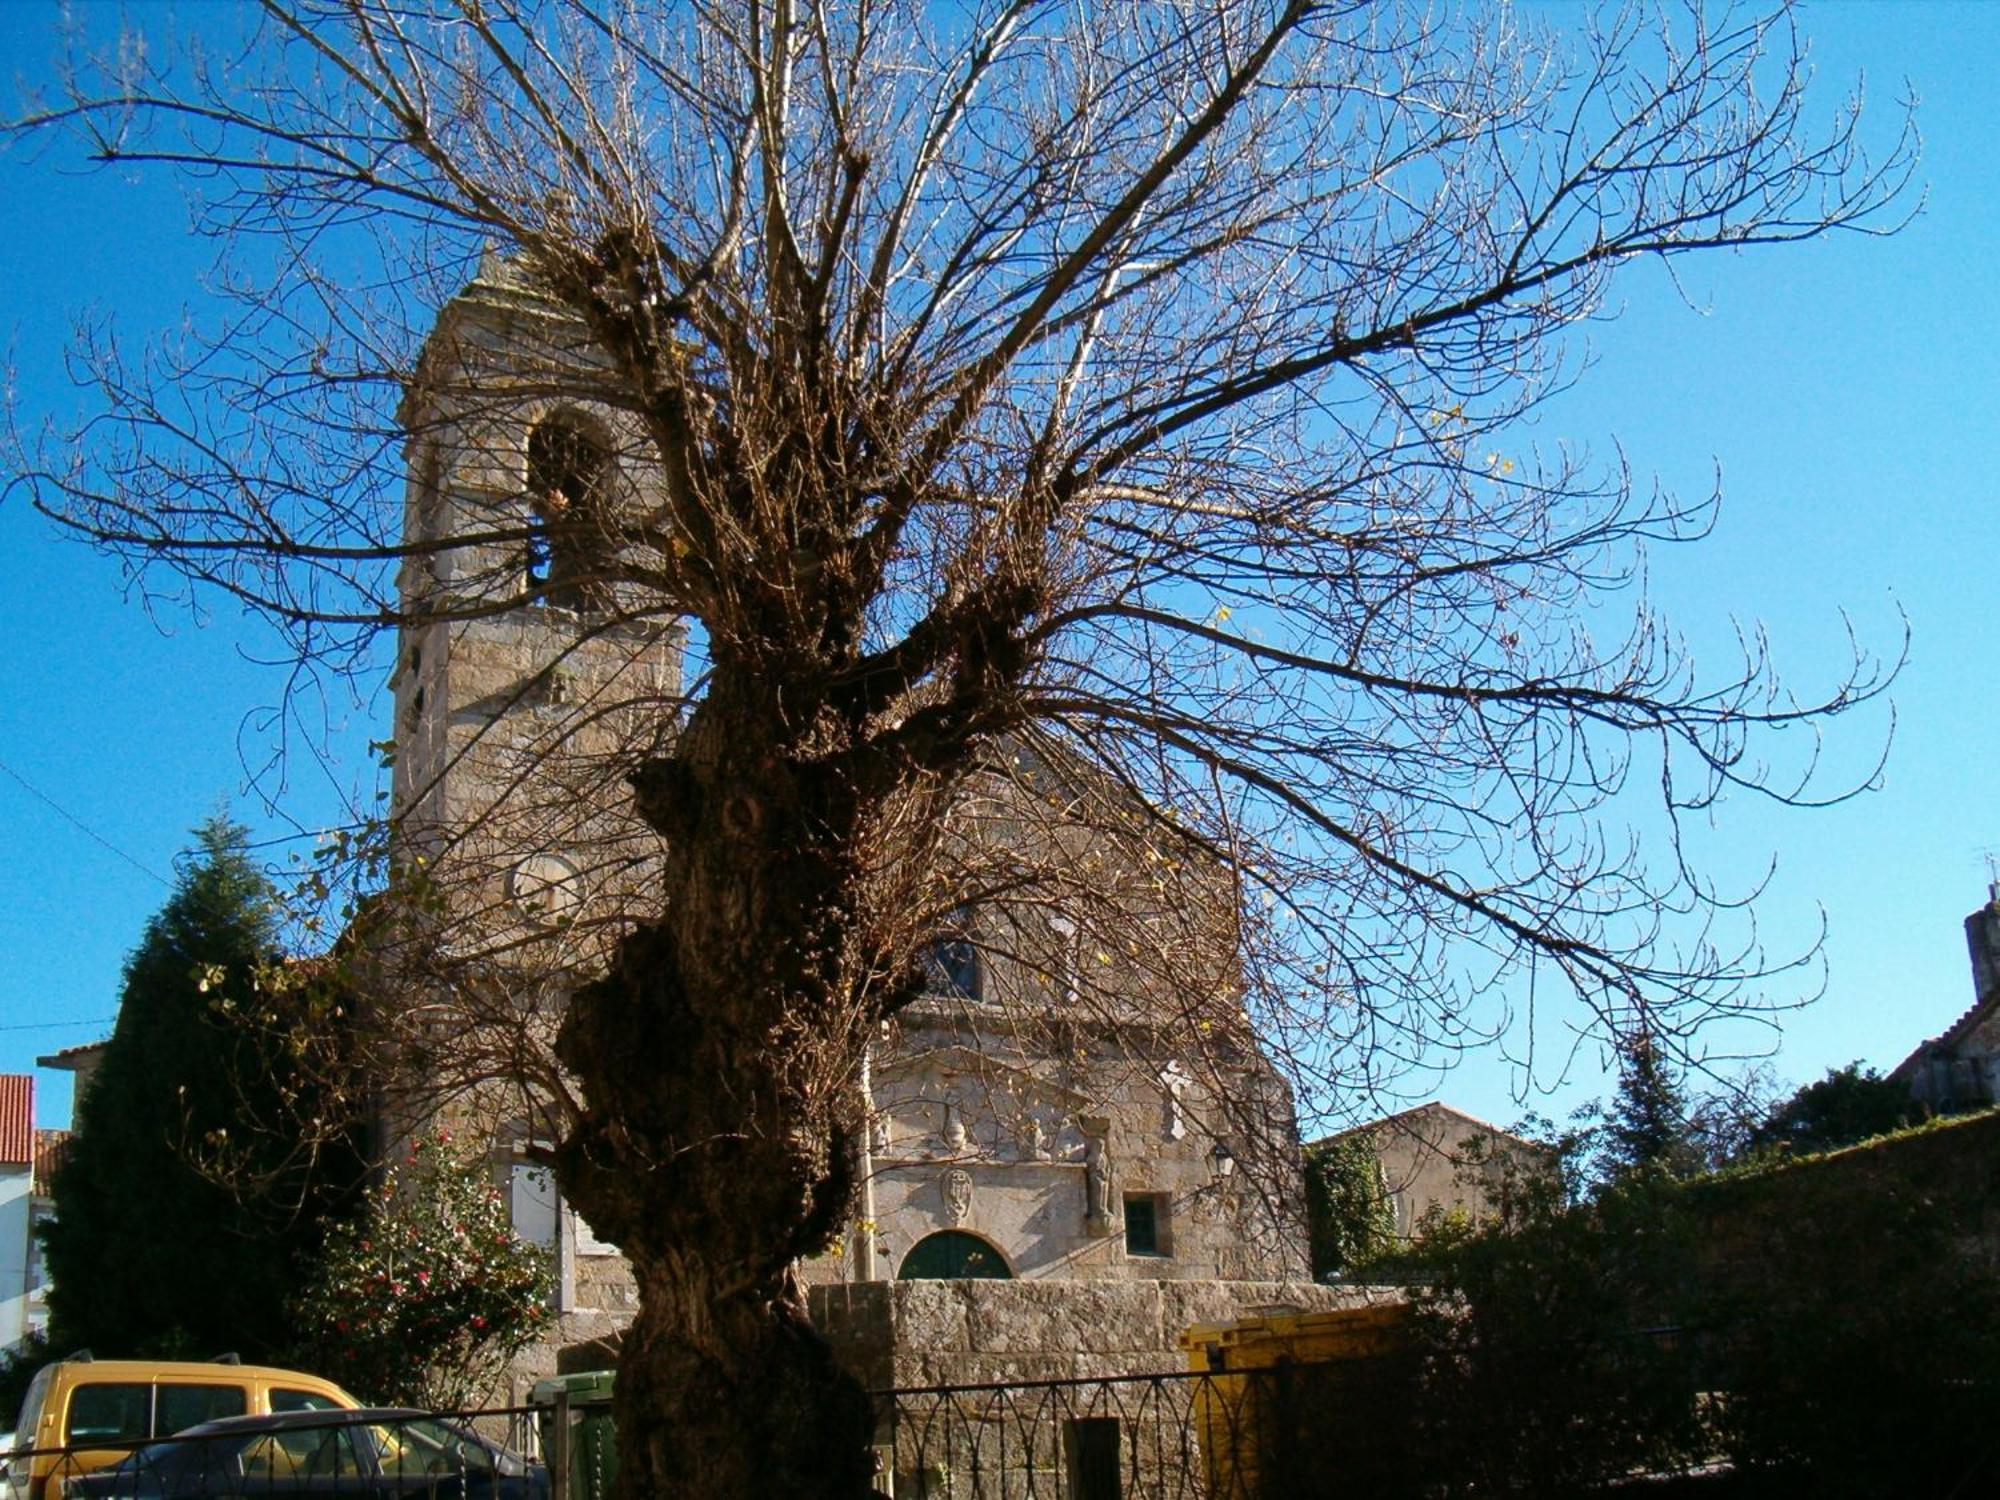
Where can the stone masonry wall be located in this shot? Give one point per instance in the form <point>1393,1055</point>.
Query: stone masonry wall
<point>908,1335</point>
<point>898,1334</point>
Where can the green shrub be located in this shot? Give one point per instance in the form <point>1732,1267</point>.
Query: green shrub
<point>1348,1213</point>
<point>1830,1327</point>
<point>424,1297</point>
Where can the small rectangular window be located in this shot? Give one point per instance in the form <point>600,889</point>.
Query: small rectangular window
<point>534,1203</point>
<point>1145,1224</point>
<point>539,564</point>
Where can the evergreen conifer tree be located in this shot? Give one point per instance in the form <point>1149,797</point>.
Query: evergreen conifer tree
<point>1649,1129</point>
<point>182,1216</point>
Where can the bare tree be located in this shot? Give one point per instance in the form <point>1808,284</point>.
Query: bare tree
<point>1122,391</point>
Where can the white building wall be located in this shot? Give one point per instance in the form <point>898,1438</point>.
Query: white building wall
<point>16,1254</point>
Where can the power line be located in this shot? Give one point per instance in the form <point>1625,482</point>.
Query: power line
<point>83,828</point>
<point>58,1025</point>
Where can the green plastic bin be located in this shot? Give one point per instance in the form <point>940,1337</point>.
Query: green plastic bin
<point>593,1439</point>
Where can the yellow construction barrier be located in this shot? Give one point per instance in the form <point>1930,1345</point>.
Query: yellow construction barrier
<point>1300,1404</point>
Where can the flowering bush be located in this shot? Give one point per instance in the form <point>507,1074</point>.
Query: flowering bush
<point>424,1296</point>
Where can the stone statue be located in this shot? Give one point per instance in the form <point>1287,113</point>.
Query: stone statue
<point>1097,1177</point>
<point>1173,1083</point>
<point>953,1131</point>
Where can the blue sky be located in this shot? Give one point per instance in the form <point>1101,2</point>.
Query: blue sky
<point>1848,390</point>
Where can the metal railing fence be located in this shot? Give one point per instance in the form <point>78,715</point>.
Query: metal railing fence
<point>1284,1430</point>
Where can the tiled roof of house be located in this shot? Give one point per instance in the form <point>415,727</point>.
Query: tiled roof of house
<point>1979,932</point>
<point>1947,1040</point>
<point>51,1146</point>
<point>17,1120</point>
<point>70,1058</point>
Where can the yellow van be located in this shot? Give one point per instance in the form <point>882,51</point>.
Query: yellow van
<point>98,1410</point>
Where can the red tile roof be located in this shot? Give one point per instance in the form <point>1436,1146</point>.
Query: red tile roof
<point>70,1058</point>
<point>17,1120</point>
<point>51,1146</point>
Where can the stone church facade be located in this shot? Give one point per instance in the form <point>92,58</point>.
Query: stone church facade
<point>1085,1147</point>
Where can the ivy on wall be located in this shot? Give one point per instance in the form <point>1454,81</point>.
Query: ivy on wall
<point>1350,1216</point>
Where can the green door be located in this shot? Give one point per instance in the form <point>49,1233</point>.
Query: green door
<point>950,1255</point>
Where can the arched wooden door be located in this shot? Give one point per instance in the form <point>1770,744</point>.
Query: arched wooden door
<point>953,1255</point>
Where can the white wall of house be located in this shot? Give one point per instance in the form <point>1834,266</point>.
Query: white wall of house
<point>16,1253</point>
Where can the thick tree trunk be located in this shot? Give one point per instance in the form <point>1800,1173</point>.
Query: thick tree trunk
<point>726,1391</point>
<point>719,1065</point>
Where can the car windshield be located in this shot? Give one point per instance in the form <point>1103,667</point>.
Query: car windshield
<point>187,1456</point>
<point>297,1454</point>
<point>421,1445</point>
<point>30,1415</point>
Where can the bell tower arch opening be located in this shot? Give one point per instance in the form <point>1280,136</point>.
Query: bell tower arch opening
<point>569,483</point>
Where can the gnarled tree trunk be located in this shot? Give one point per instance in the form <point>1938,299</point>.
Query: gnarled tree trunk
<point>720,1061</point>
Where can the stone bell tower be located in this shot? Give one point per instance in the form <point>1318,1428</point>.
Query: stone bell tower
<point>530,678</point>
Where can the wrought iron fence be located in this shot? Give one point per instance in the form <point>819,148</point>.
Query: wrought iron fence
<point>1254,1434</point>
<point>478,1455</point>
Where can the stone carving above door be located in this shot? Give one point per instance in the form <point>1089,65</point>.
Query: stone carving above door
<point>957,1191</point>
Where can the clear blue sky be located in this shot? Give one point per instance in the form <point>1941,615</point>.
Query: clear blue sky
<point>1848,390</point>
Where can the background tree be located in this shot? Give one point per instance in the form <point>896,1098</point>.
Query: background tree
<point>1549,1335</point>
<point>1130,384</point>
<point>184,1216</point>
<point>1850,1104</point>
<point>422,1297</point>
<point>1666,1120</point>
<point>18,1366</point>
<point>1649,1128</point>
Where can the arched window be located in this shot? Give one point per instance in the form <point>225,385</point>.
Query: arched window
<point>569,472</point>
<point>953,1255</point>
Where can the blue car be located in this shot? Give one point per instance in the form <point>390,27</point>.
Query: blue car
<point>357,1455</point>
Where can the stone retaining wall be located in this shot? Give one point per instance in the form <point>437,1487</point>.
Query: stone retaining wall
<point>897,1334</point>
